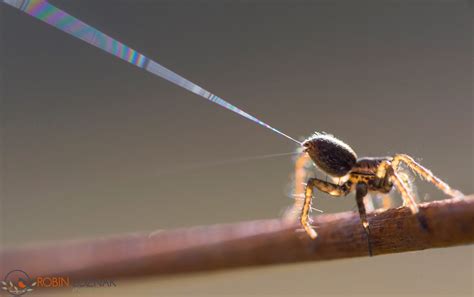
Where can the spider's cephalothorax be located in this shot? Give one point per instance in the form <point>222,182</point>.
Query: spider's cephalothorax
<point>379,174</point>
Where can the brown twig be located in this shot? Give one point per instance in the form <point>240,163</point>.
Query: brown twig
<point>440,224</point>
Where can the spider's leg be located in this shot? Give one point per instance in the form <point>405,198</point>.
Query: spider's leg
<point>408,199</point>
<point>385,171</point>
<point>407,179</point>
<point>300,178</point>
<point>381,173</point>
<point>387,201</point>
<point>369,202</point>
<point>379,201</point>
<point>424,173</point>
<point>361,192</point>
<point>323,186</point>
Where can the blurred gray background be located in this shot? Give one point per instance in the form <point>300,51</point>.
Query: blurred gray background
<point>92,145</point>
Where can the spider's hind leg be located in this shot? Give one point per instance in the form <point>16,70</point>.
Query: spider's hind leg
<point>409,201</point>
<point>387,170</point>
<point>361,192</point>
<point>424,173</point>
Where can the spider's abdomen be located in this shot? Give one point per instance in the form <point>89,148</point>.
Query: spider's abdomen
<point>330,154</point>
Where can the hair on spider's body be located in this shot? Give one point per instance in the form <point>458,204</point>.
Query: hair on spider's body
<point>362,175</point>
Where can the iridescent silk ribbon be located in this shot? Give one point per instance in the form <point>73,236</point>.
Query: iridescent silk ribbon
<point>44,11</point>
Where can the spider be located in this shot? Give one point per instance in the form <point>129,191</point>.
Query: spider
<point>362,175</point>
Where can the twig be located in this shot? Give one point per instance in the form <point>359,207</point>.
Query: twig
<point>440,224</point>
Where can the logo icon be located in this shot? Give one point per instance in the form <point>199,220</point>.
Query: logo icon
<point>17,283</point>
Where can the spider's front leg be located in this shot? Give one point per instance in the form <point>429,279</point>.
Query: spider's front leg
<point>323,186</point>
<point>424,173</point>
